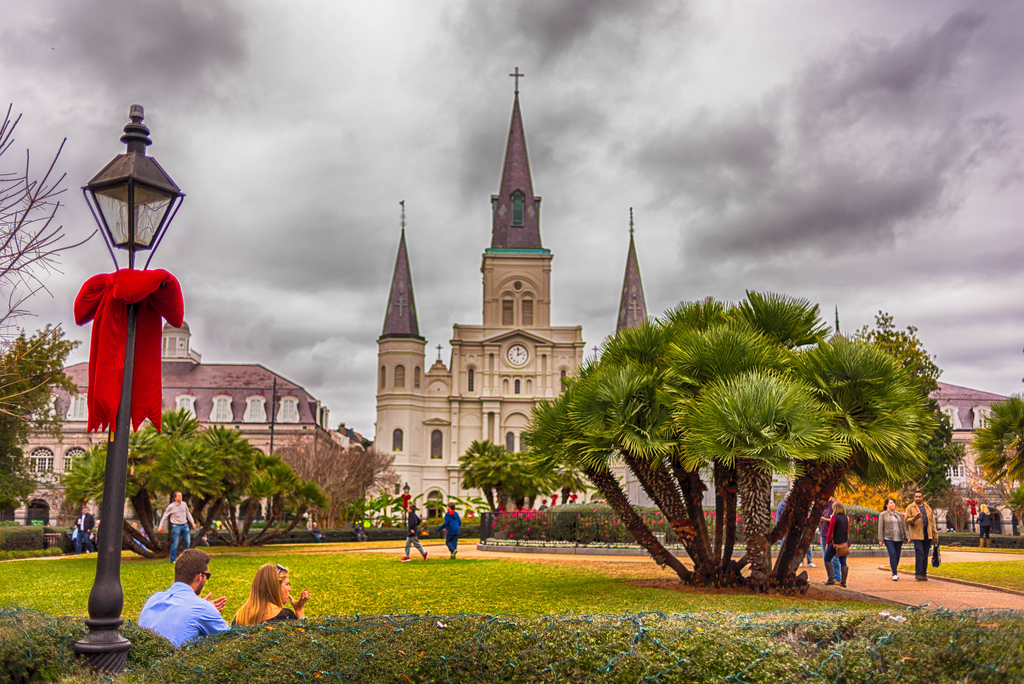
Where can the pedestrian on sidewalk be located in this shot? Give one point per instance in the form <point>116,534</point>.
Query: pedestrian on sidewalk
<point>892,532</point>
<point>452,524</point>
<point>837,544</point>
<point>180,517</point>
<point>413,536</point>
<point>826,517</point>
<point>921,521</point>
<point>985,525</point>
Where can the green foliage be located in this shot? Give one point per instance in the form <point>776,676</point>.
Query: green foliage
<point>21,538</point>
<point>785,646</point>
<point>1000,442</point>
<point>33,553</point>
<point>905,347</point>
<point>29,367</point>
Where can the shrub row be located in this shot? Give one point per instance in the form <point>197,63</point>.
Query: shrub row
<point>790,646</point>
<point>600,524</point>
<point>21,538</point>
<point>34,553</point>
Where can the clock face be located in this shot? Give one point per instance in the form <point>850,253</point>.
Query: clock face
<point>517,355</point>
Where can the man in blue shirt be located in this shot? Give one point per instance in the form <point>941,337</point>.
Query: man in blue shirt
<point>179,614</point>
<point>452,523</point>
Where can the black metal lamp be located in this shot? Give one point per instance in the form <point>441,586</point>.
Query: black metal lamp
<point>133,200</point>
<point>405,489</point>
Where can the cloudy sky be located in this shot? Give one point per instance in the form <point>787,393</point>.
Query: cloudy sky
<point>865,155</point>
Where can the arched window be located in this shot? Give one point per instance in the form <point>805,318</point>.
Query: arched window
<point>383,376</point>
<point>416,377</point>
<point>435,507</point>
<point>289,411</point>
<point>529,386</point>
<point>436,444</point>
<point>527,311</point>
<point>470,376</point>
<point>187,402</point>
<point>517,210</point>
<point>42,460</point>
<point>517,387</point>
<point>221,412</point>
<point>78,408</point>
<point>397,440</point>
<point>510,441</point>
<point>70,456</point>
<point>255,410</point>
<point>399,376</point>
<point>507,308</point>
<point>504,386</point>
<point>953,415</point>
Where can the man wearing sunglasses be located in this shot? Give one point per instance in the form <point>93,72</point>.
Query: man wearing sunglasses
<point>179,614</point>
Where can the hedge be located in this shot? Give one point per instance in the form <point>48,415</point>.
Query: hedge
<point>21,538</point>
<point>915,647</point>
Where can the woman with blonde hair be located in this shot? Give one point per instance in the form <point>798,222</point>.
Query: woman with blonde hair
<point>985,525</point>
<point>266,603</point>
<point>837,542</point>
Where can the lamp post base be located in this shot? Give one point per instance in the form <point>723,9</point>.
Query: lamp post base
<point>103,648</point>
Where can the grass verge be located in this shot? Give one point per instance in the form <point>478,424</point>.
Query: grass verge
<point>1005,574</point>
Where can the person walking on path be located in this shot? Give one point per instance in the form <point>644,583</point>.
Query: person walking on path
<point>179,614</point>
<point>985,525</point>
<point>838,535</point>
<point>452,524</point>
<point>826,517</point>
<point>181,524</point>
<point>83,531</point>
<point>413,536</point>
<point>892,532</point>
<point>921,521</point>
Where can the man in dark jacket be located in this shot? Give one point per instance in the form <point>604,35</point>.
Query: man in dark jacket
<point>413,534</point>
<point>83,531</point>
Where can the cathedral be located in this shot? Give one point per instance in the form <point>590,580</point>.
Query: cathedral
<point>499,369</point>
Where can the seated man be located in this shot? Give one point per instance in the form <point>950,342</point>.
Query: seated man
<point>318,536</point>
<point>178,614</point>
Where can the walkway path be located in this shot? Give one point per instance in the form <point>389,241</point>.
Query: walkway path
<point>870,576</point>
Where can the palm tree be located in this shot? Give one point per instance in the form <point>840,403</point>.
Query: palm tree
<point>1000,442</point>
<point>484,467</point>
<point>877,414</point>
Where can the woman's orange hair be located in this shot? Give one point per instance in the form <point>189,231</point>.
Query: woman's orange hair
<point>265,592</point>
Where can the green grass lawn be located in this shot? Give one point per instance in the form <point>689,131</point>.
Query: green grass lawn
<point>377,583</point>
<point>1006,574</point>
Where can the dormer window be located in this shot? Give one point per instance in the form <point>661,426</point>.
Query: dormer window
<point>187,402</point>
<point>981,416</point>
<point>255,410</point>
<point>221,411</point>
<point>289,411</point>
<point>78,408</point>
<point>517,210</point>
<point>953,415</point>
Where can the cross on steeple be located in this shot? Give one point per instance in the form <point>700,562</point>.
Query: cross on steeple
<point>403,215</point>
<point>401,304</point>
<point>631,221</point>
<point>634,306</point>
<point>517,76</point>
<point>438,352</point>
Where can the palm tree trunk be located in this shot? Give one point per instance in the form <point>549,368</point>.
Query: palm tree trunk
<point>608,485</point>
<point>755,497</point>
<point>719,513</point>
<point>661,487</point>
<point>808,498</point>
<point>728,490</point>
<point>693,489</point>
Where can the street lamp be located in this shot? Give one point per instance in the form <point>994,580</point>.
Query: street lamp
<point>405,505</point>
<point>133,200</point>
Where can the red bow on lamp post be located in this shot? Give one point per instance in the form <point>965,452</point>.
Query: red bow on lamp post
<point>973,503</point>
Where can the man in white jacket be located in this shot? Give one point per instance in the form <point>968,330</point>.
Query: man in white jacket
<point>181,524</point>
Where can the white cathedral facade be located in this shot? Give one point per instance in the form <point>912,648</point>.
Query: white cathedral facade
<point>499,369</point>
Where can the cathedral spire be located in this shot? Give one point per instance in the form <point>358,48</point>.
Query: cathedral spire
<point>516,211</point>
<point>632,307</point>
<point>400,319</point>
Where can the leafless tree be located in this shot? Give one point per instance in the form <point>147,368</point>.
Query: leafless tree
<point>345,474</point>
<point>30,242</point>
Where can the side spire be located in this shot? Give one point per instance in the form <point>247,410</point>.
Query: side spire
<point>400,318</point>
<point>632,306</point>
<point>515,209</point>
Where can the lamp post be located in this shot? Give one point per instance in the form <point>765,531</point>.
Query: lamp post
<point>405,505</point>
<point>133,200</point>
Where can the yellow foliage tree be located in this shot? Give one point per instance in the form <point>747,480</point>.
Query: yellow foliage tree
<point>853,492</point>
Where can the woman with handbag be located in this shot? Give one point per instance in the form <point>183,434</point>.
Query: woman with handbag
<point>838,543</point>
<point>892,532</point>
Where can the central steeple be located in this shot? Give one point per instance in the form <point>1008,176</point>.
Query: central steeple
<point>515,209</point>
